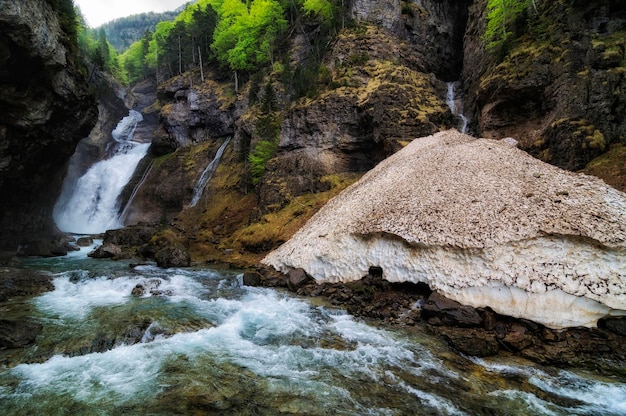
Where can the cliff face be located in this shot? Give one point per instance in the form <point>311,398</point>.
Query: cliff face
<point>45,109</point>
<point>381,84</point>
<point>559,88</point>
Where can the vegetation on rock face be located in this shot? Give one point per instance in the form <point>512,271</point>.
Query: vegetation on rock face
<point>611,167</point>
<point>268,128</point>
<point>553,78</point>
<point>502,20</point>
<point>68,18</point>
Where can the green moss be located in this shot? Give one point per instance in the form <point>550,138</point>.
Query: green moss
<point>272,229</point>
<point>610,167</point>
<point>596,140</point>
<point>162,159</point>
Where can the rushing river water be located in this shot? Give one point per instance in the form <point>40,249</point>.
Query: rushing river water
<point>209,345</point>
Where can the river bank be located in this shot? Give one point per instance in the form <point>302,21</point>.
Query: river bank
<point>473,332</point>
<point>203,340</point>
<point>477,332</point>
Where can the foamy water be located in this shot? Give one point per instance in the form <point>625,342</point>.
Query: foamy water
<point>244,349</point>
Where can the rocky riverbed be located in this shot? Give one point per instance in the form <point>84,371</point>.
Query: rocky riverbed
<point>471,331</point>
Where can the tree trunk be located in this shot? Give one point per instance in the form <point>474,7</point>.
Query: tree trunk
<point>180,58</point>
<point>200,59</point>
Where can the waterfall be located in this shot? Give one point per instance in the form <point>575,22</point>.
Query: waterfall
<point>206,175</point>
<point>455,102</point>
<point>90,205</point>
<point>124,213</point>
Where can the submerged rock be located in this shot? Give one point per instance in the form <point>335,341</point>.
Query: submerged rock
<point>16,334</point>
<point>482,223</point>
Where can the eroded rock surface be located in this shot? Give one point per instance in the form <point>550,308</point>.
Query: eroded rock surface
<point>481,222</point>
<point>46,109</point>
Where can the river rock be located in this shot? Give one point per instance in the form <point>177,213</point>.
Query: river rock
<point>84,241</point>
<point>16,334</point>
<point>19,282</point>
<point>448,312</point>
<point>106,251</point>
<point>482,223</point>
<point>615,325</point>
<point>175,255</point>
<point>297,278</point>
<point>251,278</point>
<point>474,342</point>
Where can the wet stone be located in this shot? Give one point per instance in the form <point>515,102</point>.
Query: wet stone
<point>251,278</point>
<point>84,241</point>
<point>450,312</point>
<point>615,325</point>
<point>296,279</point>
<point>18,333</point>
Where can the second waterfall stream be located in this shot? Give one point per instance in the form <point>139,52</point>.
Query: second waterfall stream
<point>207,173</point>
<point>455,102</point>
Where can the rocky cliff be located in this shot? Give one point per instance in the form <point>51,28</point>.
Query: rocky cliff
<point>558,87</point>
<point>380,84</point>
<point>45,109</point>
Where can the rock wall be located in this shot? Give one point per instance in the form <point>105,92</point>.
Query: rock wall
<point>380,85</point>
<point>45,109</point>
<point>558,88</point>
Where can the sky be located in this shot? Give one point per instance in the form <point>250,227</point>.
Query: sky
<point>97,12</point>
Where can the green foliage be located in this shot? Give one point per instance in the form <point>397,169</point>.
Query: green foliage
<point>502,17</point>
<point>245,36</point>
<point>175,45</point>
<point>134,60</point>
<point>323,8</point>
<point>253,90</point>
<point>68,18</point>
<point>268,128</point>
<point>260,155</point>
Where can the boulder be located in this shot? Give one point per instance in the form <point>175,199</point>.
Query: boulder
<point>439,309</point>
<point>482,223</point>
<point>19,282</point>
<point>297,278</point>
<point>174,255</point>
<point>251,278</point>
<point>106,251</point>
<point>84,241</point>
<point>16,334</point>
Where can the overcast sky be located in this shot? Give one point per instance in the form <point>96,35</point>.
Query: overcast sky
<point>97,12</point>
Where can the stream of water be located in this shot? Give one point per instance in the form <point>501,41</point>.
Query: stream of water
<point>197,341</point>
<point>91,205</point>
<point>454,100</point>
<point>207,174</point>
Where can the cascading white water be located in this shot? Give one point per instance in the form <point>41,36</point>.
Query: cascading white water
<point>207,174</point>
<point>455,102</point>
<point>199,339</point>
<point>91,205</point>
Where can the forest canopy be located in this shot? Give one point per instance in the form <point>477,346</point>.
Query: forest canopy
<point>238,35</point>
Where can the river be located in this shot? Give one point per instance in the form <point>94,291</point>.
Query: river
<point>197,341</point>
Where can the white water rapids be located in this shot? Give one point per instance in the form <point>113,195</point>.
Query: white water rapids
<point>207,344</point>
<point>91,205</point>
